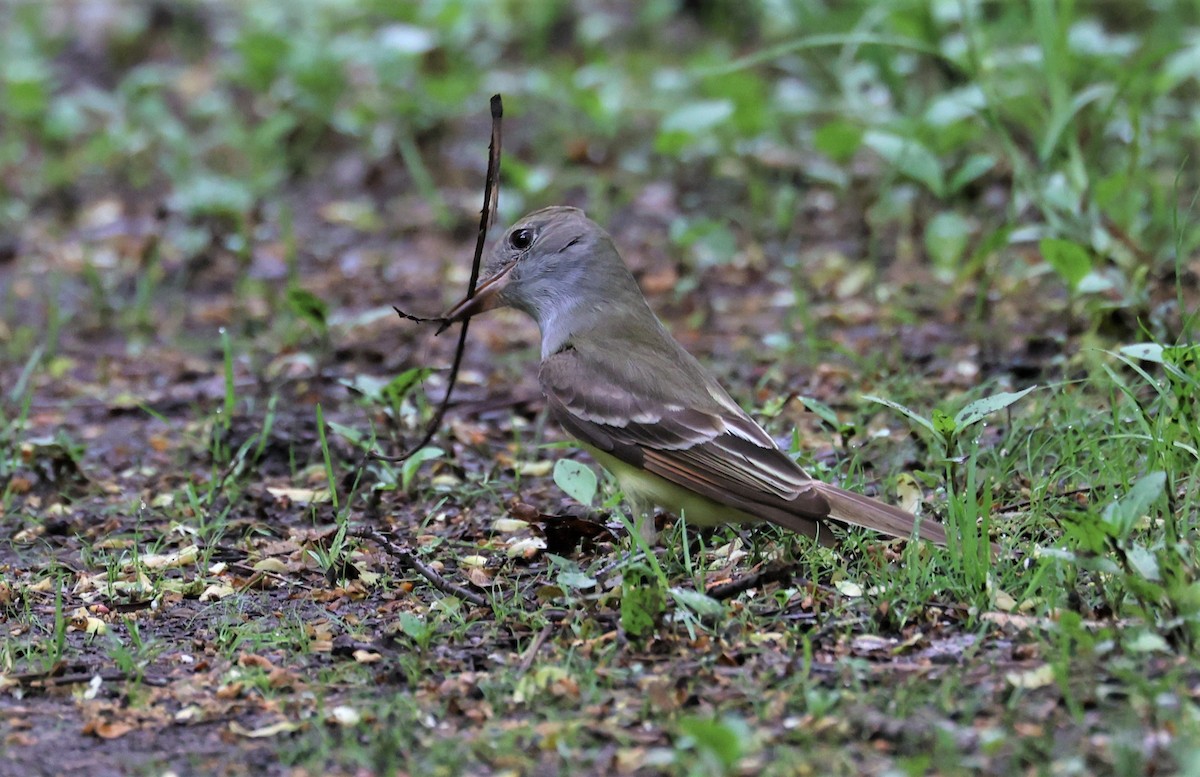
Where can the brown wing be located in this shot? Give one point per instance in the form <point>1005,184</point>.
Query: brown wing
<point>719,454</point>
<point>692,434</point>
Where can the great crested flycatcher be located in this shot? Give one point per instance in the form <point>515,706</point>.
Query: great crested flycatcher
<point>643,406</point>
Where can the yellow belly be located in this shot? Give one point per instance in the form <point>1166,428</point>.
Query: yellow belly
<point>642,488</point>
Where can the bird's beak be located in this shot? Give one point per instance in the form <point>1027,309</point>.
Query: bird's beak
<point>486,297</point>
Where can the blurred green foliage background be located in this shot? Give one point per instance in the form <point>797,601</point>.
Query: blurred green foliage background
<point>972,127</point>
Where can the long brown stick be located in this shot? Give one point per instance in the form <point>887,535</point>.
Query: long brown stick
<point>491,196</point>
<point>410,561</point>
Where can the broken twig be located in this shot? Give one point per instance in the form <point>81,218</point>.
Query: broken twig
<point>410,561</point>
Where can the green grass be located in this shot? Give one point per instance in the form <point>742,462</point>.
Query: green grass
<point>903,213</point>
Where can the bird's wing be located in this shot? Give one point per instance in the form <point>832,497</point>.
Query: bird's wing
<point>696,437</point>
<point>716,451</point>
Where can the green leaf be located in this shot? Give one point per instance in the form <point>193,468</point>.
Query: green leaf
<point>1061,119</point>
<point>909,157</point>
<point>414,626</point>
<point>418,629</point>
<point>1070,260</point>
<point>368,386</point>
<point>693,120</point>
<point>774,406</point>
<point>982,408</point>
<point>753,106</point>
<point>823,411</point>
<point>955,105</point>
<point>352,434</point>
<point>698,117</point>
<point>1094,283</point>
<point>944,425</point>
<point>26,88</point>
<point>399,386</point>
<point>642,602</point>
<point>409,469</point>
<point>698,602</point>
<point>208,194</point>
<point>1146,641</point>
<point>263,53</point>
<point>569,573</point>
<point>911,415</point>
<point>1143,562</point>
<point>946,238</point>
<point>710,241</point>
<point>1183,65</point>
<point>1096,562</point>
<point>308,306</point>
<point>973,168</point>
<point>726,739</point>
<point>576,580</point>
<point>1121,515</point>
<point>838,140</point>
<point>1181,363</point>
<point>578,480</point>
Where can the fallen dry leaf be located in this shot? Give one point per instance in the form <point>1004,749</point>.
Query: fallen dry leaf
<point>273,730</point>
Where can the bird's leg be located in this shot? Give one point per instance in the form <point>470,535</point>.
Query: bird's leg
<point>642,517</point>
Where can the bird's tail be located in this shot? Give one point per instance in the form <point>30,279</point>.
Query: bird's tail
<point>858,510</point>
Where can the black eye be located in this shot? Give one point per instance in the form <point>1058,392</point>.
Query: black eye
<point>521,239</point>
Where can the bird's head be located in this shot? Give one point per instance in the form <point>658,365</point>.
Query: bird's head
<point>542,263</point>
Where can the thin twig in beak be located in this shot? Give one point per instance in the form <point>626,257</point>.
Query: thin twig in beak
<point>486,297</point>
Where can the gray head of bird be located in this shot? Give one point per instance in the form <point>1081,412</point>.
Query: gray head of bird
<point>558,266</point>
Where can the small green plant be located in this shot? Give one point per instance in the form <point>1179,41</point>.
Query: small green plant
<point>1157,579</point>
<point>133,654</point>
<point>968,501</point>
<point>1069,260</point>
<point>310,308</point>
<point>713,746</point>
<point>947,429</point>
<point>420,630</point>
<point>58,631</point>
<point>401,402</point>
<point>845,430</point>
<point>1140,540</point>
<point>408,470</point>
<point>14,411</point>
<point>643,602</point>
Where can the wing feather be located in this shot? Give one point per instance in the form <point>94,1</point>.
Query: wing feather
<point>693,435</point>
<point>708,449</point>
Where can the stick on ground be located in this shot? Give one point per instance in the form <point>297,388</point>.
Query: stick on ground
<point>410,561</point>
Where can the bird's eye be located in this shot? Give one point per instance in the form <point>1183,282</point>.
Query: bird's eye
<point>521,239</point>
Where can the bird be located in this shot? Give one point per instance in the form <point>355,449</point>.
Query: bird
<point>615,379</point>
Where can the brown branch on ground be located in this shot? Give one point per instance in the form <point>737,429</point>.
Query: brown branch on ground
<point>53,679</point>
<point>254,577</point>
<point>777,573</point>
<point>532,651</point>
<point>409,560</point>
